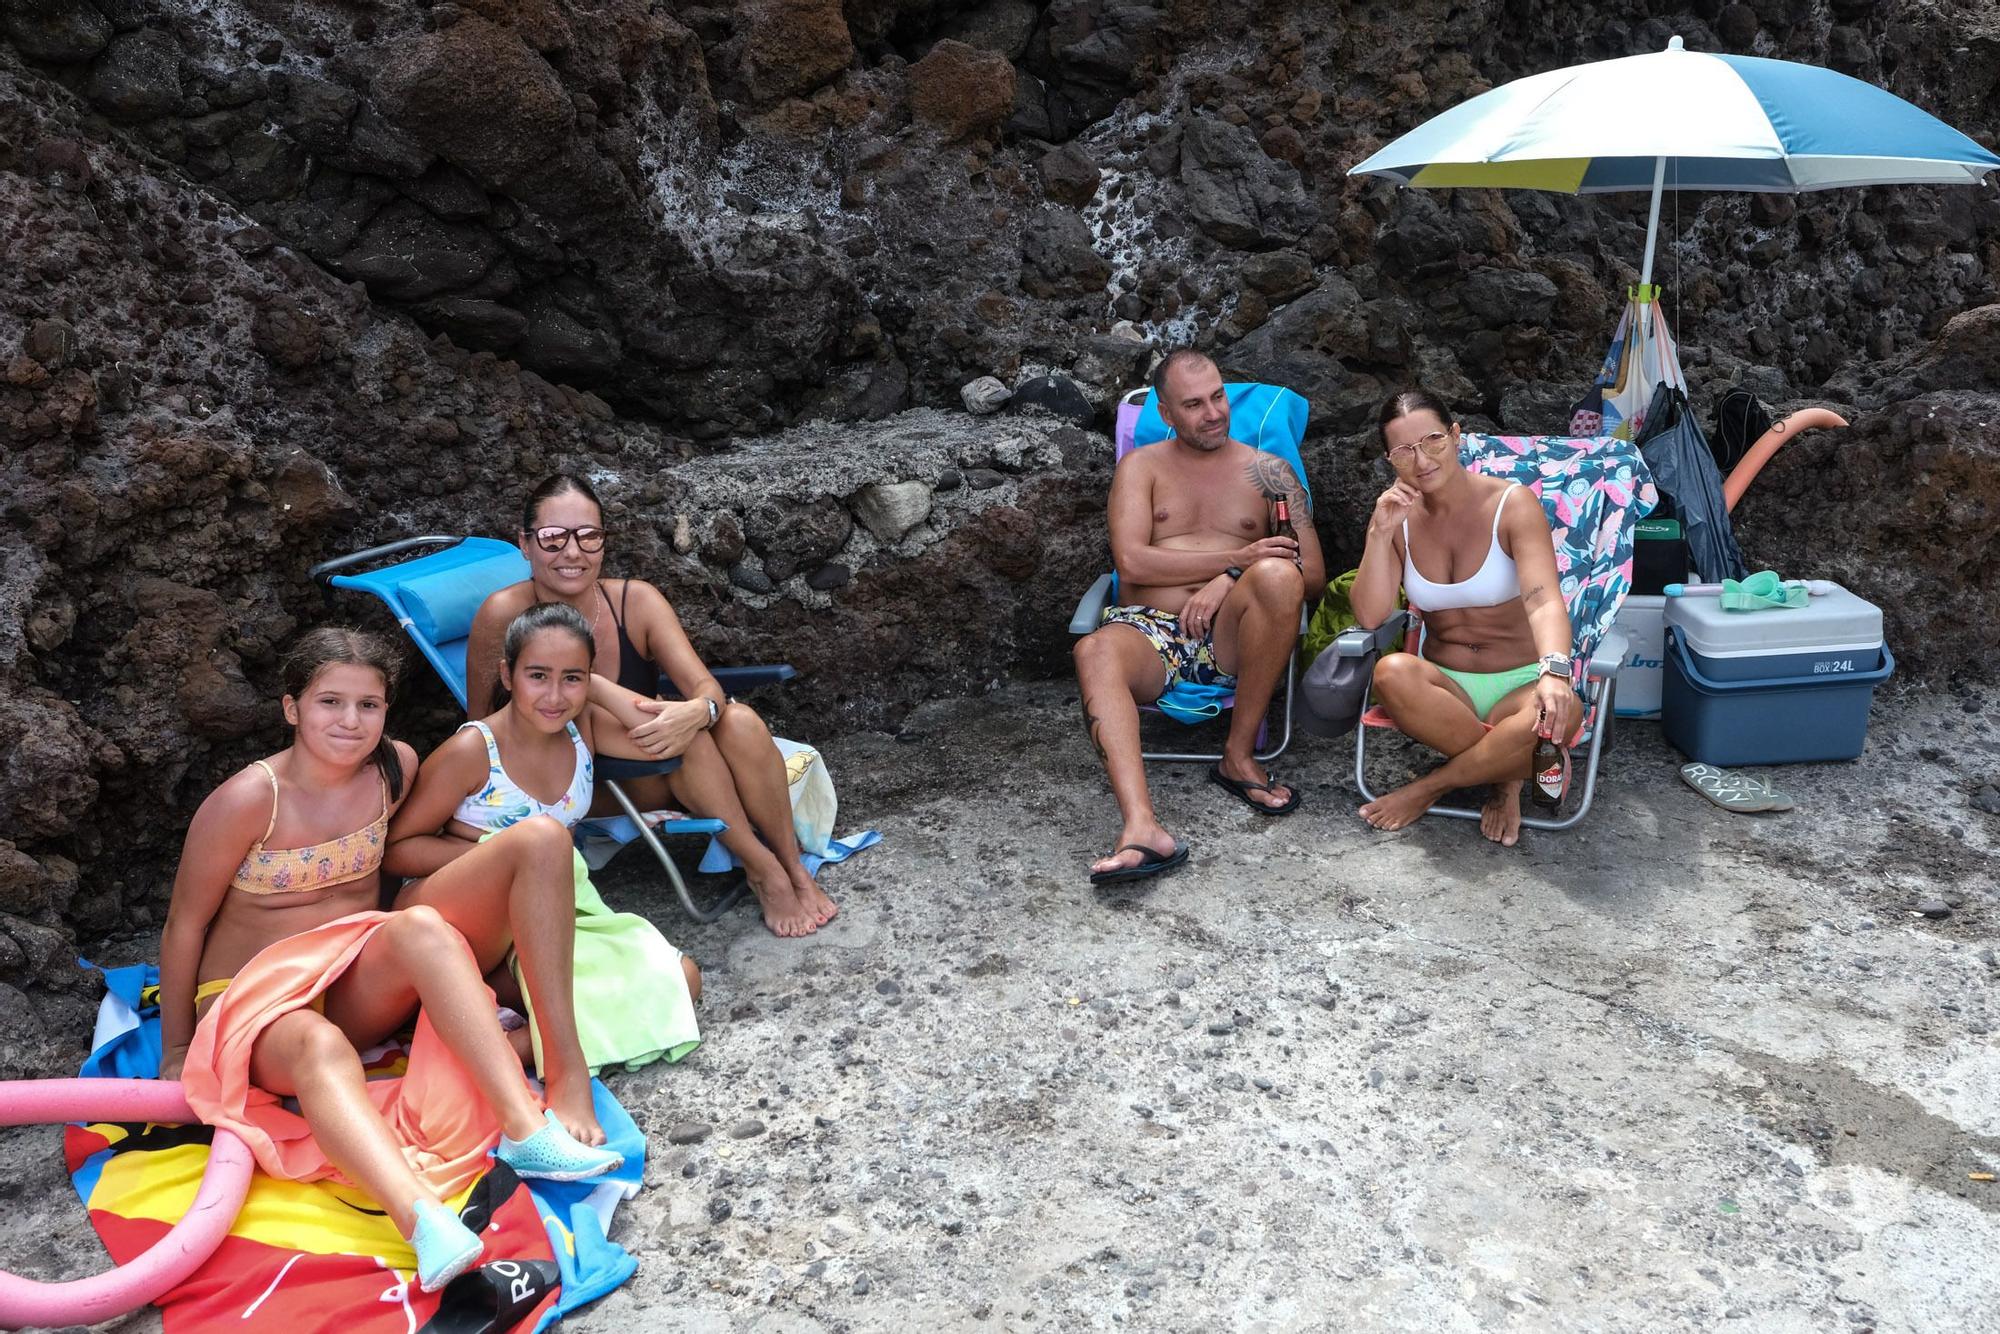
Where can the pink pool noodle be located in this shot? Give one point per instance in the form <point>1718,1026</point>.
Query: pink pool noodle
<point>86,1301</point>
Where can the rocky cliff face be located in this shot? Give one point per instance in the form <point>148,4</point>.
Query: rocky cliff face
<point>286,279</point>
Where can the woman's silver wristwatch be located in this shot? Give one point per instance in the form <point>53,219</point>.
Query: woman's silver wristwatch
<point>1556,664</point>
<point>714,710</point>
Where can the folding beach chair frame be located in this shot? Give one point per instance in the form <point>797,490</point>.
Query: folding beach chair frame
<point>1090,609</point>
<point>387,584</point>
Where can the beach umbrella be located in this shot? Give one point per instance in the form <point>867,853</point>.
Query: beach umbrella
<point>1680,120</point>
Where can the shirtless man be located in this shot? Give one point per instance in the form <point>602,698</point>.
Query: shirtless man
<point>1205,597</point>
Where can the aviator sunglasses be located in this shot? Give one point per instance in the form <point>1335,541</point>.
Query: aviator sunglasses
<point>1433,445</point>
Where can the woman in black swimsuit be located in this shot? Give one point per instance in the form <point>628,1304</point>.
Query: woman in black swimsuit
<point>730,769</point>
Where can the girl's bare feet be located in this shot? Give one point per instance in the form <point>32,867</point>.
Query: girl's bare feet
<point>569,1098</point>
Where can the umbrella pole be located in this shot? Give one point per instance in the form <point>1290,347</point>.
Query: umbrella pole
<point>1653,222</point>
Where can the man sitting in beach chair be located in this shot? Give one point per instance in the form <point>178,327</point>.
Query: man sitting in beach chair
<point>1204,595</point>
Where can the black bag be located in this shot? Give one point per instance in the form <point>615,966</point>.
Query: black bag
<point>1329,697</point>
<point>1683,466</point>
<point>1740,421</point>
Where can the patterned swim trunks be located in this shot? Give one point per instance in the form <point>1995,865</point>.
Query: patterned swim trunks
<point>1186,659</point>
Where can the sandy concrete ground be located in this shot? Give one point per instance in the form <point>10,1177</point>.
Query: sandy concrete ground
<point>1677,1069</point>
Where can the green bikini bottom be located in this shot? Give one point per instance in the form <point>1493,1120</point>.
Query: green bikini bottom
<point>1488,688</point>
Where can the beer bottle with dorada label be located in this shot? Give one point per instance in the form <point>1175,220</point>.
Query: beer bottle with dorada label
<point>1548,774</point>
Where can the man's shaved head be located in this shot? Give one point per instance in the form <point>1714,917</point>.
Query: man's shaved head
<point>1179,358</point>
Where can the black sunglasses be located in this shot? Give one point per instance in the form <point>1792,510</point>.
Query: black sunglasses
<point>552,539</point>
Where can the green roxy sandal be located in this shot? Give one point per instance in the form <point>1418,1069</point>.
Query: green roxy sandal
<point>1732,791</point>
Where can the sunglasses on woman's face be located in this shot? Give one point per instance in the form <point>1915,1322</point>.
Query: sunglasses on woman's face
<point>1433,446</point>
<point>554,539</point>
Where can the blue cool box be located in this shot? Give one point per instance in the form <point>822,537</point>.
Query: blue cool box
<point>1782,686</point>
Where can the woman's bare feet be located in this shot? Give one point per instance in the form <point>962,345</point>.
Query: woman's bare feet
<point>569,1098</point>
<point>1405,806</point>
<point>784,913</point>
<point>812,896</point>
<point>1500,817</point>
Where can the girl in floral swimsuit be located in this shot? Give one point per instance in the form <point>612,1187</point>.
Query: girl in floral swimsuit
<point>493,773</point>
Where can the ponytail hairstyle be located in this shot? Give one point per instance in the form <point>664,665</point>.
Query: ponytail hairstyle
<point>1416,399</point>
<point>542,616</point>
<point>316,650</point>
<point>556,484</point>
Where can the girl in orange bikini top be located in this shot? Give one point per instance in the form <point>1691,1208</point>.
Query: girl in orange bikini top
<point>334,861</point>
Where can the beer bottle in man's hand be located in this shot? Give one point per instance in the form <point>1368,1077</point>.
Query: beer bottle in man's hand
<point>1281,526</point>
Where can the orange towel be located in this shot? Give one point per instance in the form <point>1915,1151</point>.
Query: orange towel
<point>434,1109</point>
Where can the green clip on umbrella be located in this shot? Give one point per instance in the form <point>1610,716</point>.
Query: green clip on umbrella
<point>1683,119</point>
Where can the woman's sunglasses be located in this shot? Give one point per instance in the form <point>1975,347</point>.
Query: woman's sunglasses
<point>554,539</point>
<point>1433,446</point>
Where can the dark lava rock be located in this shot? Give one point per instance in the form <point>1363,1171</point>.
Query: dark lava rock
<point>746,1129</point>
<point>1056,395</point>
<point>62,164</point>
<point>138,77</point>
<point>1279,274</point>
<point>1508,296</point>
<point>719,1209</point>
<point>51,342</point>
<point>793,46</point>
<point>62,32</point>
<point>747,576</point>
<point>1235,193</point>
<point>1935,909</point>
<point>286,335</point>
<point>688,1132</point>
<point>961,90</point>
<point>476,94</point>
<point>1057,257</point>
<point>791,538</point>
<point>1069,175</point>
<point>1987,799</point>
<point>829,577</point>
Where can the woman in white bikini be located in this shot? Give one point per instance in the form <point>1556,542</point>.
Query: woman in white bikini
<point>1495,671</point>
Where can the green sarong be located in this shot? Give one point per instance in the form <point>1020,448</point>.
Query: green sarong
<point>632,1001</point>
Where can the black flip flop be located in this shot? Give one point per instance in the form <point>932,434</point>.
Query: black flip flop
<point>1243,790</point>
<point>1150,864</point>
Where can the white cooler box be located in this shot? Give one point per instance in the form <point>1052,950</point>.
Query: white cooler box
<point>1642,619</point>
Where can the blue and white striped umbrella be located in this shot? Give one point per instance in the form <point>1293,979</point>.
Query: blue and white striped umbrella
<point>1684,120</point>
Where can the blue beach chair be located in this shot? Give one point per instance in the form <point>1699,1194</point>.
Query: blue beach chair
<point>1270,418</point>
<point>434,598</point>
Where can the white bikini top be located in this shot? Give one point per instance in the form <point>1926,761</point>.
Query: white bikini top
<point>1494,582</point>
<point>502,802</point>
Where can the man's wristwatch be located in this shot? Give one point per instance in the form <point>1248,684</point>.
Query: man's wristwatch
<point>1556,664</point>
<point>1234,572</point>
<point>714,710</point>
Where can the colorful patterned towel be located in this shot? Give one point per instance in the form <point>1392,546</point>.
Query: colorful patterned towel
<point>322,1257</point>
<point>1595,492</point>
